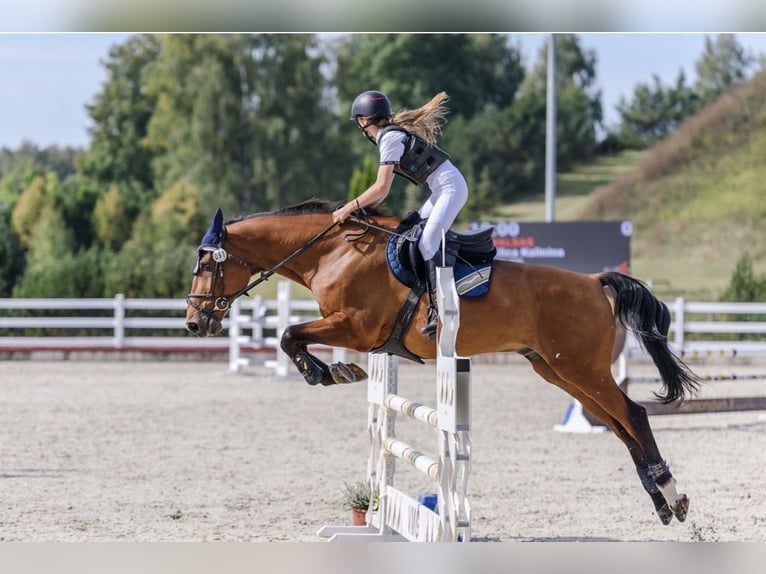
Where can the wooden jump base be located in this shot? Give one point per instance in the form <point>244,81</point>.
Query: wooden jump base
<point>399,516</point>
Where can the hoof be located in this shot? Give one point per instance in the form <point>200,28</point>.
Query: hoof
<point>681,508</point>
<point>343,373</point>
<point>665,514</point>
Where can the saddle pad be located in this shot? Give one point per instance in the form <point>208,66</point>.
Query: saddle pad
<point>471,281</point>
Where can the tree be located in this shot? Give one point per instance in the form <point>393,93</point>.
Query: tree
<point>474,69</point>
<point>481,73</point>
<point>31,204</point>
<point>655,111</point>
<point>110,223</point>
<point>299,146</point>
<point>578,105</point>
<point>244,118</point>
<point>12,256</point>
<point>744,284</point>
<point>121,111</point>
<point>723,64</point>
<point>502,149</point>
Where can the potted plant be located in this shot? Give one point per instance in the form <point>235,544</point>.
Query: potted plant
<point>357,498</point>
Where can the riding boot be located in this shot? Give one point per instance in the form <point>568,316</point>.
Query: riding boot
<point>433,314</point>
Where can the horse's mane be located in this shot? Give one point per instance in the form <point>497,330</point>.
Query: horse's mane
<point>308,207</point>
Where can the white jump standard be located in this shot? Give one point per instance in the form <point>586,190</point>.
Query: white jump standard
<point>399,516</point>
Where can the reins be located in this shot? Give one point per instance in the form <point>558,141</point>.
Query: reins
<point>220,255</point>
<point>224,302</point>
<point>365,222</point>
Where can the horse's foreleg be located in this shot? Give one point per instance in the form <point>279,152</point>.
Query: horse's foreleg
<point>332,331</point>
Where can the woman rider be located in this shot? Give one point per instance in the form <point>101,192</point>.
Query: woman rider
<point>407,145</point>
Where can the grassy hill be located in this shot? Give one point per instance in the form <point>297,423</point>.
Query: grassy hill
<point>697,199</point>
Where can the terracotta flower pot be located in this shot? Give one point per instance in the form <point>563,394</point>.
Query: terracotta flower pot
<point>359,516</point>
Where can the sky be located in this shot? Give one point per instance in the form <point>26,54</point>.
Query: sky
<point>46,79</point>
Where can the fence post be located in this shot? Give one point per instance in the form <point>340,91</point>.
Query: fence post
<point>284,291</point>
<point>258,313</point>
<point>680,326</point>
<point>119,321</point>
<point>234,332</point>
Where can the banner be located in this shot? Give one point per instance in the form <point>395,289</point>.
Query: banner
<point>583,246</point>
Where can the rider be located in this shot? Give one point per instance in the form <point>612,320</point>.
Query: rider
<point>407,144</point>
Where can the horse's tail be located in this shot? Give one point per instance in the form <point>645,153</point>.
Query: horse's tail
<point>649,318</point>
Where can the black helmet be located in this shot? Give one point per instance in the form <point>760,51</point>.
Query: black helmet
<point>371,104</point>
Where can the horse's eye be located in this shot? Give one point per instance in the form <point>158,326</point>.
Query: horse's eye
<point>201,266</point>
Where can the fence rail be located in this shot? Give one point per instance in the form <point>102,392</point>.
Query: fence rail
<point>709,329</point>
<point>253,325</point>
<point>698,329</point>
<point>118,318</point>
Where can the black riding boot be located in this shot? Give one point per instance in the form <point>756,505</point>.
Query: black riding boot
<point>433,314</point>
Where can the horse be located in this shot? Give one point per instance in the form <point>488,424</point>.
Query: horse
<point>563,322</point>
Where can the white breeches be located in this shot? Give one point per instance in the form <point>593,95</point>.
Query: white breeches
<point>449,193</point>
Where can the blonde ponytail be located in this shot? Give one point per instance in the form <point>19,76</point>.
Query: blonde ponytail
<point>427,120</point>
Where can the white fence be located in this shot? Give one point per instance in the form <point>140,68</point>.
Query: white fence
<point>253,326</point>
<point>698,331</point>
<point>247,325</point>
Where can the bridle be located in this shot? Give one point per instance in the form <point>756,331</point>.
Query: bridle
<point>224,302</point>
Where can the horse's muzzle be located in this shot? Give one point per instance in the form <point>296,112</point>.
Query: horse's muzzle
<point>203,325</point>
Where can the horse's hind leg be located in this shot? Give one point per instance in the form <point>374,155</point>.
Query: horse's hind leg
<point>636,435</point>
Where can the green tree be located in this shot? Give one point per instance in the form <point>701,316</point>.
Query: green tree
<point>120,114</point>
<point>723,64</point>
<point>655,111</point>
<point>110,223</point>
<point>30,205</point>
<point>481,73</point>
<point>744,284</point>
<point>12,256</point>
<point>363,177</point>
<point>50,239</point>
<point>474,69</point>
<point>578,100</point>
<point>502,149</point>
<point>244,118</point>
<point>299,146</point>
<point>71,275</point>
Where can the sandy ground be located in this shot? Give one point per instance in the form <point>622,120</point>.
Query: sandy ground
<point>184,451</point>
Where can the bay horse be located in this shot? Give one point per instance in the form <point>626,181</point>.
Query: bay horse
<point>564,323</point>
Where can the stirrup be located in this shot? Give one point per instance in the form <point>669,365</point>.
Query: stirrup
<point>430,329</point>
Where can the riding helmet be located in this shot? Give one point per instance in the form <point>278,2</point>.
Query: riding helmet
<point>371,104</point>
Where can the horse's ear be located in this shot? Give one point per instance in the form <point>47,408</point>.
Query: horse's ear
<point>217,226</point>
<point>215,232</point>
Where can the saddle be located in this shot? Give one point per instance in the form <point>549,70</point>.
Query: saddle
<point>470,254</point>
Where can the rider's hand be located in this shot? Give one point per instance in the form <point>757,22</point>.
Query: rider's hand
<point>340,215</point>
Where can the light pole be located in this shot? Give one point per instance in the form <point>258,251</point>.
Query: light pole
<point>550,135</point>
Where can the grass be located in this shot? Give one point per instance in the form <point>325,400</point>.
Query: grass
<point>574,190</point>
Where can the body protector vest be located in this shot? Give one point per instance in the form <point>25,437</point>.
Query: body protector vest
<point>419,159</point>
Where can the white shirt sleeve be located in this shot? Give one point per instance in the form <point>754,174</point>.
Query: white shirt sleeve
<point>391,147</point>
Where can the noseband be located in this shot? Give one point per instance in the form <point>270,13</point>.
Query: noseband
<point>221,302</point>
<point>220,256</point>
